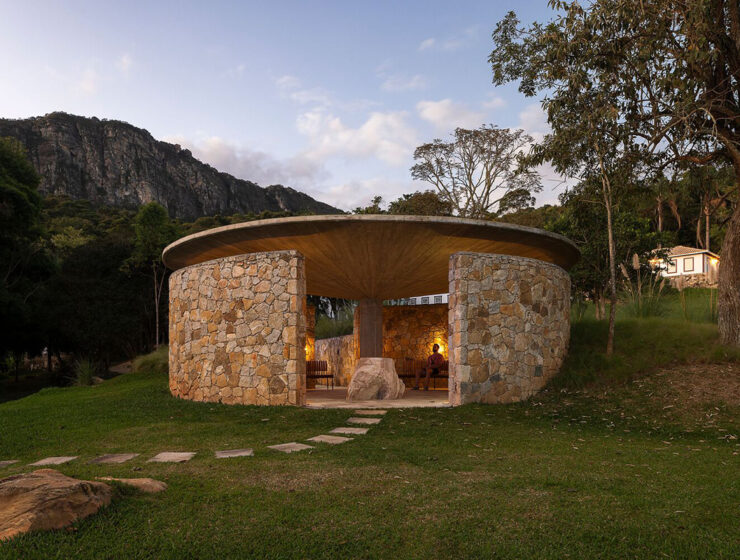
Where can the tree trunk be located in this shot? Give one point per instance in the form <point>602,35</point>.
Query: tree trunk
<point>606,189</point>
<point>728,304</point>
<point>706,226</point>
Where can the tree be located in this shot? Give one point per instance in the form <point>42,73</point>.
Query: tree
<point>476,169</point>
<point>24,262</point>
<point>427,203</point>
<point>373,208</point>
<point>674,66</point>
<point>154,231</point>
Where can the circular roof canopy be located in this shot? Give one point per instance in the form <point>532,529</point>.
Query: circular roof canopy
<point>373,256</point>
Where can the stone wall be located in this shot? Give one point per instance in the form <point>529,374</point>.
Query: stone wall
<point>509,326</point>
<point>238,330</point>
<point>340,355</point>
<point>408,331</point>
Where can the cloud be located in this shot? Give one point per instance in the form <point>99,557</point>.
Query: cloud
<point>494,102</point>
<point>404,83</point>
<point>291,88</point>
<point>534,121</point>
<point>88,82</point>
<point>350,194</point>
<point>252,165</point>
<point>427,44</point>
<point>235,71</point>
<point>124,63</point>
<point>447,115</point>
<point>455,42</point>
<point>385,136</point>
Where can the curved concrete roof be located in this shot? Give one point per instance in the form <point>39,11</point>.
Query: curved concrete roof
<point>373,256</point>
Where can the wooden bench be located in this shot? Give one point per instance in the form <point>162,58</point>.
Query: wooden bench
<point>318,369</point>
<point>411,366</point>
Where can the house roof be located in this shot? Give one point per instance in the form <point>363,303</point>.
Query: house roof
<point>681,250</point>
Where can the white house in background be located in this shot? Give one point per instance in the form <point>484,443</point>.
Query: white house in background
<point>690,266</point>
<point>422,300</point>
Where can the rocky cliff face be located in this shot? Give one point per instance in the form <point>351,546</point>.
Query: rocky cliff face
<point>114,163</point>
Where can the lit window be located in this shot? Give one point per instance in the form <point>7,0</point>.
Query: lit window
<point>688,264</point>
<point>671,267</point>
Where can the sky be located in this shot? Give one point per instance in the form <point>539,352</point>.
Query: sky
<point>330,98</point>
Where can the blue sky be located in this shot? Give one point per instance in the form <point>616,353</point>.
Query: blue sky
<point>330,98</point>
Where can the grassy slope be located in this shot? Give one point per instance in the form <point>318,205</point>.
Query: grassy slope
<point>607,471</point>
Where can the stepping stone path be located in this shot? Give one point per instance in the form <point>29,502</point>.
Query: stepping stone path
<point>290,447</point>
<point>363,420</point>
<point>114,458</point>
<point>348,430</point>
<point>333,440</point>
<point>53,461</point>
<point>234,453</point>
<point>172,457</point>
<point>364,417</point>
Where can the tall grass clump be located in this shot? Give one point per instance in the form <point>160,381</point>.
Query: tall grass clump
<point>83,372</point>
<point>342,324</point>
<point>643,295</point>
<point>157,361</point>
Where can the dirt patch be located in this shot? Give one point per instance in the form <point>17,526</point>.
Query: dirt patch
<point>700,383</point>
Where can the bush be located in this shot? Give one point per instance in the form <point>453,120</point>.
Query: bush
<point>157,361</point>
<point>84,371</point>
<point>327,327</point>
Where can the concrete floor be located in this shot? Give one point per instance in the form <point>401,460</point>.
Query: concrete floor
<point>337,398</point>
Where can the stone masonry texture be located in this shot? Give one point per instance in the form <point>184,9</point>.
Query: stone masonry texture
<point>509,323</point>
<point>409,331</point>
<point>238,330</point>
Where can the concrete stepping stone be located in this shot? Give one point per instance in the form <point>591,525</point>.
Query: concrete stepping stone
<point>291,447</point>
<point>172,457</point>
<point>332,440</point>
<point>7,463</point>
<point>348,430</point>
<point>53,461</point>
<point>114,458</point>
<point>370,412</point>
<point>354,420</point>
<point>227,454</point>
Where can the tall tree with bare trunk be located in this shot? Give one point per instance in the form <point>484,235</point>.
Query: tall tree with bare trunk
<point>475,171</point>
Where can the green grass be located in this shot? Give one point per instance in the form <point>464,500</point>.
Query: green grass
<point>698,305</point>
<point>156,361</point>
<point>640,345</point>
<point>609,471</point>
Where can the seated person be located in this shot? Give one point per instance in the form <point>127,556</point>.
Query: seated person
<point>434,363</point>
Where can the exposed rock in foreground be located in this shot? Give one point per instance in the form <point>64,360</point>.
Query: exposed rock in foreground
<point>116,164</point>
<point>47,499</point>
<point>148,485</point>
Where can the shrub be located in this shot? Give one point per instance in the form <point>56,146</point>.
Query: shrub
<point>84,371</point>
<point>328,327</point>
<point>157,361</point>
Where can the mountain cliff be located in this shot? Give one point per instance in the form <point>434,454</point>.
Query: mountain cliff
<point>117,164</point>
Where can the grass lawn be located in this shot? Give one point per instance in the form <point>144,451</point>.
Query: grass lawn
<point>625,466</point>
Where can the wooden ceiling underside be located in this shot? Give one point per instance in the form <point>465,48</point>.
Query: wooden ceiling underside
<point>384,257</point>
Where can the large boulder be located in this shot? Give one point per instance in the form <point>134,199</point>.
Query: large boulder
<point>47,499</point>
<point>375,378</point>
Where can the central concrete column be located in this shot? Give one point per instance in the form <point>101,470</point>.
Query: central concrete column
<point>370,316</point>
